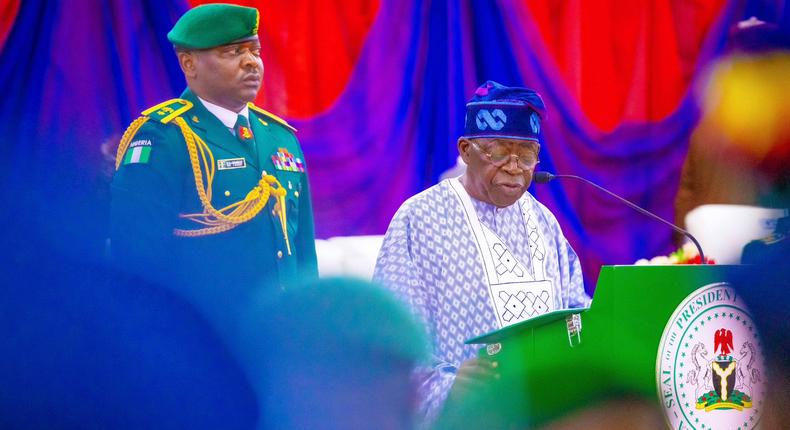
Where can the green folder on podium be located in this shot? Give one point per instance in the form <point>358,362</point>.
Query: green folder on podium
<point>565,360</point>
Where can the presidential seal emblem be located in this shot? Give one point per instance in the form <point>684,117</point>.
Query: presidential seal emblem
<point>709,367</point>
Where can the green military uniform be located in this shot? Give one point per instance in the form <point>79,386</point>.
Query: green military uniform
<point>222,215</point>
<point>217,213</point>
<point>155,184</point>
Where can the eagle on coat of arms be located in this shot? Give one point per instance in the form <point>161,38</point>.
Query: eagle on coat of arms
<point>729,382</point>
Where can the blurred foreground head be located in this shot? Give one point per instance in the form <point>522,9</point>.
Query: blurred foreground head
<point>746,99</point>
<point>339,354</point>
<point>764,286</point>
<point>85,347</point>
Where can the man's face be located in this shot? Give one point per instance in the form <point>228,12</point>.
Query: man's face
<point>494,175</point>
<point>229,75</point>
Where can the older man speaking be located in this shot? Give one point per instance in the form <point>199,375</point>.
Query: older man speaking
<point>476,253</point>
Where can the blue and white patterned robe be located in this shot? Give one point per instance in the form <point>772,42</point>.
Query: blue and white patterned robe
<point>430,259</point>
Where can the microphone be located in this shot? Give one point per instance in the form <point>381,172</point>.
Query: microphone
<point>544,177</point>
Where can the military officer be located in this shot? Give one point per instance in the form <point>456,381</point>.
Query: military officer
<point>211,192</point>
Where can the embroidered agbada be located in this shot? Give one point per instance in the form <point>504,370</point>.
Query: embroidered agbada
<point>467,267</point>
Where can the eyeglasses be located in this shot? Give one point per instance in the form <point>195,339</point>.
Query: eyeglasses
<point>500,156</point>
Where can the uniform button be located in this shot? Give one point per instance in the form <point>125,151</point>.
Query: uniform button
<point>279,254</point>
<point>296,193</point>
<point>227,193</point>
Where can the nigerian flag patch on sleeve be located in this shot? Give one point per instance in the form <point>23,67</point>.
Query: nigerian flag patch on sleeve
<point>139,151</point>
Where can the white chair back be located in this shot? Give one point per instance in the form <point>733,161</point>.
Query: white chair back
<point>348,256</point>
<point>723,230</point>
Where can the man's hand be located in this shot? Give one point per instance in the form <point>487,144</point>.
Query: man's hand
<point>473,373</point>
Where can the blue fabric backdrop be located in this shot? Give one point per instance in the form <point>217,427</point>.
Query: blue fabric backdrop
<point>74,74</point>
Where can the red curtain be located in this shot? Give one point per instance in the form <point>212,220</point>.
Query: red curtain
<point>625,61</point>
<point>309,50</point>
<point>8,11</point>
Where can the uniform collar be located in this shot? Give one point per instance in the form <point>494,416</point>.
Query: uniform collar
<point>210,128</point>
<point>226,116</point>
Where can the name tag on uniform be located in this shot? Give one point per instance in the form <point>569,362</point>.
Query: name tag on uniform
<point>231,163</point>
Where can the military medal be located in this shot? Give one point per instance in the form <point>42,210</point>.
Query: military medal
<point>284,160</point>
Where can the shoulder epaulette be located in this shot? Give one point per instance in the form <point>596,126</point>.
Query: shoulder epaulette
<point>271,115</point>
<point>167,111</point>
<point>773,239</point>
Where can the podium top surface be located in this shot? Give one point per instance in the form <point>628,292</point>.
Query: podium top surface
<point>632,274</point>
<point>506,332</point>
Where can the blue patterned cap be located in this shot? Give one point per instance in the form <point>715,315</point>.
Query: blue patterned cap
<point>507,112</point>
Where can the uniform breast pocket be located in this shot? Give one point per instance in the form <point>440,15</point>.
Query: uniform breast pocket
<point>292,205</point>
<point>292,182</point>
<point>231,186</point>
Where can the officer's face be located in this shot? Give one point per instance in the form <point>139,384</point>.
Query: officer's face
<point>493,175</point>
<point>229,75</point>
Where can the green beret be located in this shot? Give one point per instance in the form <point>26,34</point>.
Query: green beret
<point>213,25</point>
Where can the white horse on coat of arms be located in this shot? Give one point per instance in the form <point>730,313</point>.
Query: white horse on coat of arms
<point>699,376</point>
<point>748,374</point>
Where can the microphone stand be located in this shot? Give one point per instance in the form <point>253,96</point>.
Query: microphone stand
<point>543,177</point>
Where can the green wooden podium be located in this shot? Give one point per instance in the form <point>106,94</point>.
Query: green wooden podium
<point>544,373</point>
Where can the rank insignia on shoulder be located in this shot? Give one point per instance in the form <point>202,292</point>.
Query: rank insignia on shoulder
<point>271,116</point>
<point>167,111</point>
<point>773,238</point>
<point>284,160</point>
<point>139,151</point>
